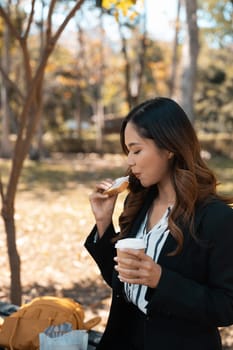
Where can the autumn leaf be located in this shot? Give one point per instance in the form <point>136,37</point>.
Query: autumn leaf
<point>119,6</point>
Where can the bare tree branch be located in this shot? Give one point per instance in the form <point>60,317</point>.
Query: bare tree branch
<point>11,83</point>
<point>26,61</point>
<point>6,18</point>
<point>30,20</point>
<point>66,20</point>
<point>49,21</point>
<point>35,80</point>
<point>21,41</point>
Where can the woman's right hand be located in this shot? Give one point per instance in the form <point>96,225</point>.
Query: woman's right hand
<point>102,205</point>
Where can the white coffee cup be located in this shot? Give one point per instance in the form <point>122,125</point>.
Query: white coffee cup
<point>128,243</point>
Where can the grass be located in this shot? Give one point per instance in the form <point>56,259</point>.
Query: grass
<point>73,177</point>
<point>65,172</point>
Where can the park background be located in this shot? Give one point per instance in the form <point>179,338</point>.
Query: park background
<point>69,72</point>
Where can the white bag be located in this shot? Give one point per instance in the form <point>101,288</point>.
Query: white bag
<point>73,340</point>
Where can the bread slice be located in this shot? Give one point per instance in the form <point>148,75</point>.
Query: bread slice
<point>118,186</point>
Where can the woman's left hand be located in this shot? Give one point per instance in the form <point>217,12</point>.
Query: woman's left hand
<point>138,268</point>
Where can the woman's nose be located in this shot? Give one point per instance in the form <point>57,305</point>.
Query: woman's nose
<point>130,160</point>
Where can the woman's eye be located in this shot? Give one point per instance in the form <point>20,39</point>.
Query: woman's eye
<point>136,152</point>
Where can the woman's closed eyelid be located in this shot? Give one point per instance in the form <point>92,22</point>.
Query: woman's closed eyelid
<point>134,151</point>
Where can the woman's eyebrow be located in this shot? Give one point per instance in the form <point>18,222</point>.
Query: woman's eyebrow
<point>131,144</point>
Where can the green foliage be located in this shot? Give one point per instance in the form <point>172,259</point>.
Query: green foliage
<point>216,19</point>
<point>213,98</point>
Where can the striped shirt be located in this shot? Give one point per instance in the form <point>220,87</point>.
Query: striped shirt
<point>155,239</point>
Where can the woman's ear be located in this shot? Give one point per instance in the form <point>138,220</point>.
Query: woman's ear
<point>170,155</point>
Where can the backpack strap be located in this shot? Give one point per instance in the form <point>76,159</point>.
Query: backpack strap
<point>13,333</point>
<point>92,323</point>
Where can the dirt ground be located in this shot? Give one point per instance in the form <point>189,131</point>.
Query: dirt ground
<point>53,218</point>
<point>52,223</point>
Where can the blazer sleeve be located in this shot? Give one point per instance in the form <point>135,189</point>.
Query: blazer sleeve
<point>210,303</point>
<point>103,251</point>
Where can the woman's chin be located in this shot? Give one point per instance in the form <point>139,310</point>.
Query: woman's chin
<point>146,184</point>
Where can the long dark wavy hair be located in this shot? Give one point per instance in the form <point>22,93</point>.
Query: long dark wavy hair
<point>165,122</point>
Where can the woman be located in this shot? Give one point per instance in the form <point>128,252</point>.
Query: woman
<point>184,280</point>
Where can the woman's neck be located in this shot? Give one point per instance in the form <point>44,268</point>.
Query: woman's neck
<point>166,196</point>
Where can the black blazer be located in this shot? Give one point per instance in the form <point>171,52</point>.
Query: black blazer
<point>194,295</point>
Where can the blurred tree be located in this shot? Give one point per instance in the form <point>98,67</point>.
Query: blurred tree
<point>213,97</point>
<point>157,69</point>
<point>174,63</point>
<point>36,149</point>
<point>215,17</point>
<point>130,24</point>
<point>28,117</point>
<point>98,103</point>
<point>79,74</point>
<point>134,57</point>
<point>189,58</point>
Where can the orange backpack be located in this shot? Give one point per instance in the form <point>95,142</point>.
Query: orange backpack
<point>20,330</point>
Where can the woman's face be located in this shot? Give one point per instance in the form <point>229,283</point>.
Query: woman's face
<point>148,163</point>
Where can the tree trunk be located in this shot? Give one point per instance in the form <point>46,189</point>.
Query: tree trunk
<point>127,69</point>
<point>141,60</point>
<point>78,115</point>
<point>134,72</point>
<point>190,55</point>
<point>36,150</point>
<point>5,140</point>
<point>99,94</point>
<point>172,83</point>
<point>14,259</point>
<point>81,58</point>
<point>99,126</point>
